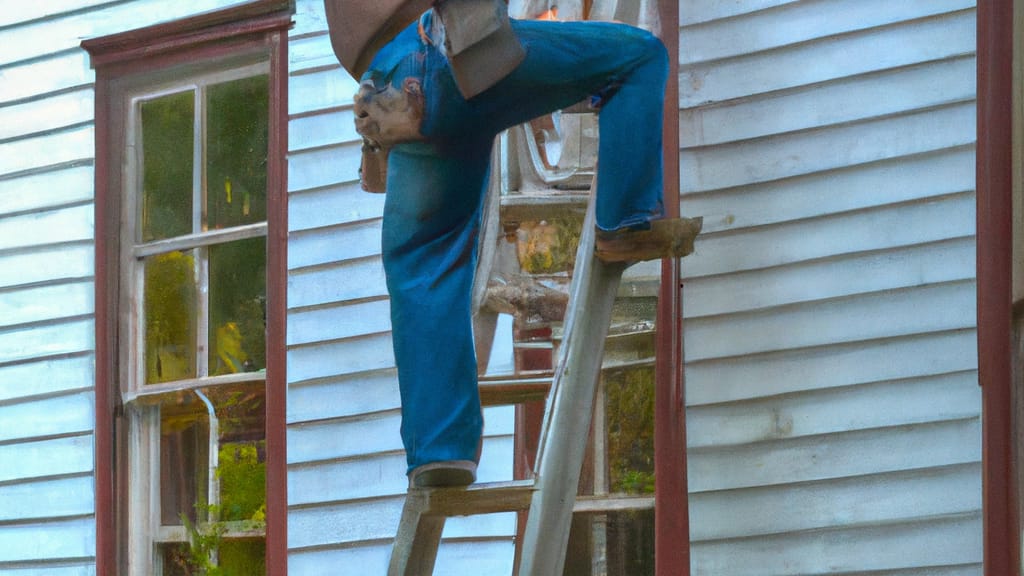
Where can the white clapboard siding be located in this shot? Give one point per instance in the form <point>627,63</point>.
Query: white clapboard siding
<point>831,364</point>
<point>346,466</point>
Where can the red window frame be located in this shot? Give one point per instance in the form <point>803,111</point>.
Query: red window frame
<point>261,25</point>
<point>996,56</point>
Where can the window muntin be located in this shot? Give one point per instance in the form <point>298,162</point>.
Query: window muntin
<point>194,298</point>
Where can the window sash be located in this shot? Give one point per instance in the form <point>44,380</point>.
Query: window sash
<point>133,356</point>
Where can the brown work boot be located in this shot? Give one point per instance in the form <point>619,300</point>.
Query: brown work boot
<point>666,238</point>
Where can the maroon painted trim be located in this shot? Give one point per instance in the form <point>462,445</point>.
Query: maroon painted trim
<point>277,293</point>
<point>994,267</point>
<point>106,351</point>
<point>256,27</point>
<point>258,16</point>
<point>671,503</point>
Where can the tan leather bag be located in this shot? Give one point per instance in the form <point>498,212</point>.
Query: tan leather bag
<point>479,41</point>
<point>360,27</point>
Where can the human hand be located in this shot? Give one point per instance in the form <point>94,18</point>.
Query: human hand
<point>388,116</point>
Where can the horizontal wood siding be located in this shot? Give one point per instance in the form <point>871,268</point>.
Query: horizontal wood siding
<point>47,402</point>
<point>833,405</point>
<point>346,466</point>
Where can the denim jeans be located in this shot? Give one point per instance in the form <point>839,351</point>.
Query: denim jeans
<point>435,190</point>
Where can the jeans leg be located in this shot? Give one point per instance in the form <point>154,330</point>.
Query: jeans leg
<point>431,221</point>
<point>567,62</point>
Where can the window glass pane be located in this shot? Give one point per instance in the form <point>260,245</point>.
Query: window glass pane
<point>242,454</point>
<point>184,459</point>
<point>185,447</point>
<point>176,560</point>
<point>629,409</point>
<point>611,544</point>
<point>167,152</point>
<point>238,306</point>
<point>170,312</point>
<point>236,157</point>
<point>243,557</point>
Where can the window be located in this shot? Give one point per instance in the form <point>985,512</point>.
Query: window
<point>190,294</point>
<point>194,248</point>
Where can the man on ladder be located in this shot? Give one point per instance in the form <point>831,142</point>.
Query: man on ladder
<point>439,79</point>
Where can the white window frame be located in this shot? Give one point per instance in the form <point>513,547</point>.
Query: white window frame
<point>141,401</point>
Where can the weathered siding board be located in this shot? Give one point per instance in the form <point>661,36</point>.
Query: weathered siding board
<point>45,303</point>
<point>855,501</point>
<point>346,475</point>
<point>896,549</point>
<point>46,376</point>
<point>364,392</point>
<point>751,376</point>
<point>58,415</point>
<point>936,38</point>
<point>375,475</point>
<point>63,71</point>
<point>33,153</point>
<point>71,185</point>
<point>66,539</point>
<point>20,12</point>
<point>835,277</point>
<point>41,38</point>
<point>63,224</point>
<point>901,179</point>
<point>799,22</point>
<point>875,316</point>
<point>337,282</point>
<point>25,343</point>
<point>845,100</point>
<point>43,458</point>
<point>795,154</point>
<point>334,243</point>
<point>49,113</point>
<point>52,570</point>
<point>332,205</point>
<point>42,499</point>
<point>835,456</point>
<point>46,264</point>
<point>365,434</point>
<point>829,310</point>
<point>833,410</point>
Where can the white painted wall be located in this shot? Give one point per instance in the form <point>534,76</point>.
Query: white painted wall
<point>829,310</point>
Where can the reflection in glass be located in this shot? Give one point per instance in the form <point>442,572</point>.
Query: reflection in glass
<point>238,306</point>
<point>167,152</point>
<point>629,409</point>
<point>170,313</point>
<point>617,543</point>
<point>237,498</point>
<point>236,157</point>
<point>243,557</point>
<point>175,559</point>
<point>184,457</point>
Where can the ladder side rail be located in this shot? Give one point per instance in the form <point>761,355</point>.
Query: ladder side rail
<point>569,409</point>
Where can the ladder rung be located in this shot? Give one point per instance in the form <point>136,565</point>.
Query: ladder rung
<point>542,206</point>
<point>482,498</point>
<point>501,392</point>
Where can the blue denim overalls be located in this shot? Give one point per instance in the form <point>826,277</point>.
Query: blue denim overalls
<point>435,190</point>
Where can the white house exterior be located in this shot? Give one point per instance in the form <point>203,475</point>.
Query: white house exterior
<point>833,408</point>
